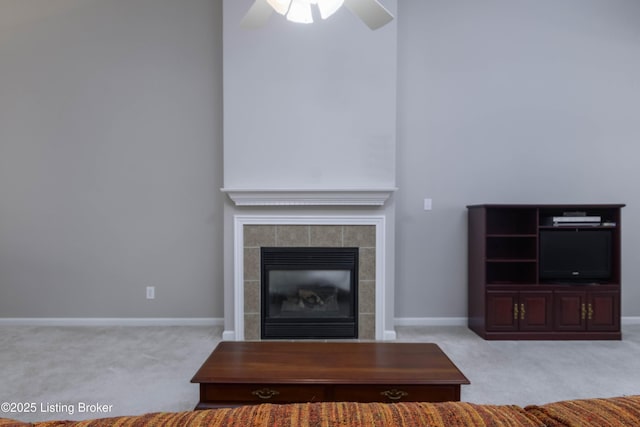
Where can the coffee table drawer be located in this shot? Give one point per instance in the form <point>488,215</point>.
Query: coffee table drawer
<point>261,393</point>
<point>396,393</point>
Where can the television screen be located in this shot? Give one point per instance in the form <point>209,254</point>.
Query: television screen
<point>575,255</point>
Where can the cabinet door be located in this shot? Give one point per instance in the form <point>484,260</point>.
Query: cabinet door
<point>519,311</point>
<point>535,310</point>
<point>603,311</point>
<point>570,309</point>
<point>589,310</point>
<point>502,311</point>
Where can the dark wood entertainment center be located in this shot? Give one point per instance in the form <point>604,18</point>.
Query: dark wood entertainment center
<point>508,296</point>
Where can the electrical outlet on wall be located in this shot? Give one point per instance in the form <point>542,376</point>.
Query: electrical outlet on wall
<point>151,292</point>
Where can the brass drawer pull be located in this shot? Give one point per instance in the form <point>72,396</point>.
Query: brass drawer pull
<point>265,393</point>
<point>394,394</point>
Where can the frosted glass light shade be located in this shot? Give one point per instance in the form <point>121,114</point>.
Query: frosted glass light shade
<point>280,6</point>
<point>371,12</point>
<point>328,7</point>
<point>300,11</point>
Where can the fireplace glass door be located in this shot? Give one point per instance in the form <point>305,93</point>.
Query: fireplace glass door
<point>309,293</point>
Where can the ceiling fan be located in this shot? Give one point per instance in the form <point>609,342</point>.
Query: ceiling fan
<point>371,12</point>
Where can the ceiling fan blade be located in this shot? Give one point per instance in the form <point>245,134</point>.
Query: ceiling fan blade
<point>371,12</point>
<point>257,14</point>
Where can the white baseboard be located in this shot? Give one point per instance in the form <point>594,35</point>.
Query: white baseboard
<point>228,335</point>
<point>629,320</point>
<point>431,321</point>
<point>111,321</point>
<point>389,335</point>
<point>214,321</point>
<point>462,321</point>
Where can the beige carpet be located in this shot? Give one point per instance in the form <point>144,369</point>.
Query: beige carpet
<point>133,370</point>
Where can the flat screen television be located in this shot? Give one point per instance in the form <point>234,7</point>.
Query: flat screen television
<point>575,256</point>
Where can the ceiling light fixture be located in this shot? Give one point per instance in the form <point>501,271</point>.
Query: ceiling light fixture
<point>300,10</point>
<point>371,12</point>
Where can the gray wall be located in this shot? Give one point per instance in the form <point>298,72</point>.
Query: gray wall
<point>110,158</point>
<point>110,144</point>
<point>505,101</point>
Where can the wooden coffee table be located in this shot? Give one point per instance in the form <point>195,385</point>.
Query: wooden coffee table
<point>240,373</point>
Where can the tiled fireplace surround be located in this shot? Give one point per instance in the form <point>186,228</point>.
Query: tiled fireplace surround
<point>364,230</point>
<point>361,236</point>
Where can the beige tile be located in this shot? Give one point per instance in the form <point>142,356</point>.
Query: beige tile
<point>360,236</point>
<point>256,236</point>
<point>292,235</point>
<point>252,263</point>
<point>326,235</point>
<point>259,235</point>
<point>252,296</point>
<point>366,327</point>
<point>367,296</point>
<point>251,327</point>
<point>367,267</point>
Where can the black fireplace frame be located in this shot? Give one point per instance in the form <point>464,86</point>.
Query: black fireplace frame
<point>309,258</point>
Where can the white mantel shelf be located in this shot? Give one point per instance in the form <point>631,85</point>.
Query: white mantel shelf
<point>309,197</point>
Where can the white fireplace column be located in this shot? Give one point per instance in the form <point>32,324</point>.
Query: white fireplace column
<point>311,140</point>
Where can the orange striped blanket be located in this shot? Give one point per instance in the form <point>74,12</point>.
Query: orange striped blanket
<point>611,412</point>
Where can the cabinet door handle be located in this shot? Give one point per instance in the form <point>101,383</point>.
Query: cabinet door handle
<point>522,312</point>
<point>515,311</point>
<point>590,312</point>
<point>583,312</point>
<point>265,393</point>
<point>394,394</point>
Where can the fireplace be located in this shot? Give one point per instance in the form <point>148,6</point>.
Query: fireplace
<point>309,293</point>
<point>367,232</point>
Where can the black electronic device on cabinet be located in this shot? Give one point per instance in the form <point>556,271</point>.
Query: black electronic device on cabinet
<point>575,256</point>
